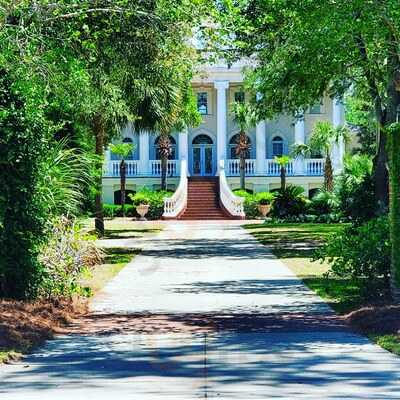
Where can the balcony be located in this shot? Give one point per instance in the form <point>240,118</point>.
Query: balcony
<point>134,168</point>
<point>306,167</point>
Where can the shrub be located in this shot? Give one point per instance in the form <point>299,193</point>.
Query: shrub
<point>360,252</point>
<point>154,198</point>
<point>251,201</point>
<point>323,203</point>
<point>64,258</point>
<point>289,203</point>
<point>114,210</point>
<point>264,198</point>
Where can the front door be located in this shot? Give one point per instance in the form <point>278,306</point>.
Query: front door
<point>202,160</point>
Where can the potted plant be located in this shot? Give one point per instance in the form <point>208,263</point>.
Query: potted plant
<point>264,202</point>
<point>142,204</point>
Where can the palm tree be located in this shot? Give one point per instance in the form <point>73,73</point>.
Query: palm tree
<point>244,117</point>
<point>283,162</point>
<point>164,151</point>
<point>323,137</point>
<point>122,150</point>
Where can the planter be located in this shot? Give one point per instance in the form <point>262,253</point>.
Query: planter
<point>264,209</point>
<point>142,210</point>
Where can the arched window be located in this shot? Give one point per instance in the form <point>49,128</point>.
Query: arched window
<point>277,146</point>
<point>173,148</point>
<point>202,139</point>
<point>232,146</point>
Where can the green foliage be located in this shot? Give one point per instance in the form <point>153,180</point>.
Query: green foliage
<point>283,161</point>
<point>289,202</point>
<point>65,175</point>
<point>154,198</point>
<point>251,201</point>
<point>113,210</point>
<point>122,149</point>
<point>355,189</point>
<point>361,253</point>
<point>324,202</point>
<point>63,260</point>
<point>23,214</point>
<point>264,198</point>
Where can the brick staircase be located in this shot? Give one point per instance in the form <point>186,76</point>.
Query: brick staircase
<point>203,200</point>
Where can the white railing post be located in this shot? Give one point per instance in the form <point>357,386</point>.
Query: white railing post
<point>176,204</point>
<point>232,204</point>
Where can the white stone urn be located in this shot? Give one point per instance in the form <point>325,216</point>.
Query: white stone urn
<point>264,209</point>
<point>142,210</point>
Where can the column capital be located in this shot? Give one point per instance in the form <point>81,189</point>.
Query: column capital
<point>221,85</point>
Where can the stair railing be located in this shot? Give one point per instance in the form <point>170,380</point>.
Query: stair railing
<point>232,204</point>
<point>175,205</point>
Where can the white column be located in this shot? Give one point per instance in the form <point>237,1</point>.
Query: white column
<point>183,145</point>
<point>144,153</point>
<point>299,138</point>
<point>222,118</point>
<point>338,150</point>
<point>260,148</point>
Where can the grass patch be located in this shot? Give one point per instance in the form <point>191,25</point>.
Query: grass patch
<point>115,260</point>
<point>388,342</point>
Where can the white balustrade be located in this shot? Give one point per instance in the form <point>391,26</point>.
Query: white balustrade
<point>176,204</point>
<point>233,204</point>
<point>234,167</point>
<point>155,167</point>
<point>274,169</point>
<point>315,166</point>
<point>112,168</point>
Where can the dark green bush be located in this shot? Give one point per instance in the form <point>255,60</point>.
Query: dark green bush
<point>357,198</point>
<point>360,252</point>
<point>114,210</point>
<point>289,203</point>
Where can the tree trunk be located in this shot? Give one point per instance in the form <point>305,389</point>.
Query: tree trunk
<point>392,116</point>
<point>380,171</point>
<point>98,130</point>
<point>122,170</point>
<point>328,174</point>
<point>242,167</point>
<point>283,178</point>
<point>164,166</point>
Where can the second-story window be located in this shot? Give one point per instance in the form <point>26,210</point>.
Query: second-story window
<point>202,103</point>
<point>239,97</point>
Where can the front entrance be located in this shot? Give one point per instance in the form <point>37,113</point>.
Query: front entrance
<point>202,156</point>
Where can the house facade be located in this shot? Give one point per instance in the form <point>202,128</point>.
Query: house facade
<point>204,147</point>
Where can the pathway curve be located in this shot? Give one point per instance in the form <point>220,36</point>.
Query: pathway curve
<point>206,312</point>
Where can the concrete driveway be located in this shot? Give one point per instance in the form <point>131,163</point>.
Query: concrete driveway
<point>206,312</point>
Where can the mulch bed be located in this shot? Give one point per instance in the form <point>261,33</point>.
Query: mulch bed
<point>23,326</point>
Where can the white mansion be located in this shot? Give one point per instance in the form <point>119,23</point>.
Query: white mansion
<point>209,150</point>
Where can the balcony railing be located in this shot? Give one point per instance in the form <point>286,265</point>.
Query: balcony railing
<point>315,166</point>
<point>274,169</point>
<point>234,167</point>
<point>155,167</point>
<point>112,168</point>
<point>306,167</point>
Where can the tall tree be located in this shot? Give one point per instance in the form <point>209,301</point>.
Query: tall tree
<point>306,48</point>
<point>244,117</point>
